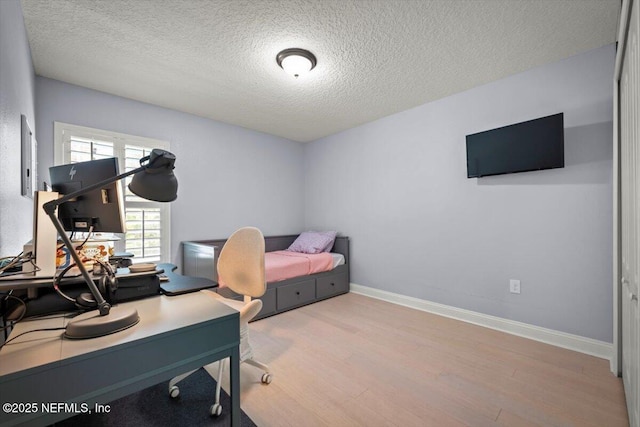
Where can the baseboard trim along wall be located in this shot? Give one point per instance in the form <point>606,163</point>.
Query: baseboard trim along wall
<point>585,345</point>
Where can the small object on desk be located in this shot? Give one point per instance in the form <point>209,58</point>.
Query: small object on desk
<point>121,262</point>
<point>136,286</point>
<point>139,268</point>
<point>121,259</point>
<point>163,277</point>
<point>177,284</point>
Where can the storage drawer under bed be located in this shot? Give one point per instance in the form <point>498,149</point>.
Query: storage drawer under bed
<point>328,286</point>
<point>295,294</point>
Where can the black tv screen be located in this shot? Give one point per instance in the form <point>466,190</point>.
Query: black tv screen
<point>527,146</point>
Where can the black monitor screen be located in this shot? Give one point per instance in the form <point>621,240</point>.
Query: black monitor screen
<point>527,146</point>
<point>101,208</point>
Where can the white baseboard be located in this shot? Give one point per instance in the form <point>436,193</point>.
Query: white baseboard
<point>585,345</point>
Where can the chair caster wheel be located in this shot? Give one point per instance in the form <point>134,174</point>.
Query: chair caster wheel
<point>215,410</point>
<point>174,391</point>
<point>266,378</point>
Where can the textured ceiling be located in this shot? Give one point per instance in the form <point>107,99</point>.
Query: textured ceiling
<point>216,58</point>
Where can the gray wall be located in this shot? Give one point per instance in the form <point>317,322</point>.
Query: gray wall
<point>419,227</point>
<point>228,176</point>
<point>16,98</point>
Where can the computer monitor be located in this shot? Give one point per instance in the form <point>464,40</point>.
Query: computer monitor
<point>100,210</point>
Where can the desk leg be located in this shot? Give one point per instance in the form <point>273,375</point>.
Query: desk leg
<point>234,386</point>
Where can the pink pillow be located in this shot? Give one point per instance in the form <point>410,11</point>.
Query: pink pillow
<point>313,242</point>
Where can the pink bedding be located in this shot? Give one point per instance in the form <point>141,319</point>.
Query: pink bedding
<point>282,265</point>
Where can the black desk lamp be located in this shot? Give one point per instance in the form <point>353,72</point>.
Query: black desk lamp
<point>153,180</point>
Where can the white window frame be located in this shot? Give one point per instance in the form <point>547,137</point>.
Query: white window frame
<point>62,148</point>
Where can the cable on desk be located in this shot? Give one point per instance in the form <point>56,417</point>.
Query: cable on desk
<point>24,311</point>
<point>8,262</point>
<point>34,330</point>
<point>16,261</point>
<point>8,324</point>
<point>58,278</point>
<point>89,233</point>
<point>34,318</point>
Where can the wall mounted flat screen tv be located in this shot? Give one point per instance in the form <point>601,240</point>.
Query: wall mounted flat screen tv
<point>528,146</point>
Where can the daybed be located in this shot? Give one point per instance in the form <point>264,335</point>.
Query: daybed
<point>199,258</point>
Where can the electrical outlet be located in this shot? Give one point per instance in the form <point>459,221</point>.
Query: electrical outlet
<point>514,286</point>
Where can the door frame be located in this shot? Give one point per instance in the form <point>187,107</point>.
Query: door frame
<point>623,30</point>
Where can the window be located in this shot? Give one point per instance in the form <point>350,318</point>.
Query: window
<point>147,222</point>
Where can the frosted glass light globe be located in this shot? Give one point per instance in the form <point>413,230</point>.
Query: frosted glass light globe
<point>296,65</point>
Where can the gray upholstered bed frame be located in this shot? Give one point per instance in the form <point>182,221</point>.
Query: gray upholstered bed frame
<point>199,258</point>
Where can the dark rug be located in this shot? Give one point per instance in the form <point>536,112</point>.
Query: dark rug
<point>154,407</point>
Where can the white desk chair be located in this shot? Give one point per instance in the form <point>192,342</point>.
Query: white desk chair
<point>241,268</point>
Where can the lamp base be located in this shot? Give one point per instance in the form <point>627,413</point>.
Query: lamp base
<point>92,325</point>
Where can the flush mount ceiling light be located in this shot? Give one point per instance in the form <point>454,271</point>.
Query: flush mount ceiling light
<point>296,61</point>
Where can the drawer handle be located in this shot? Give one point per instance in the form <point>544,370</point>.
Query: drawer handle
<point>297,292</point>
<point>333,284</point>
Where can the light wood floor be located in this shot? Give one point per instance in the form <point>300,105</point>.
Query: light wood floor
<point>357,361</point>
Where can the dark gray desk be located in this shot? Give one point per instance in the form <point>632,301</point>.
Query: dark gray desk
<point>27,281</point>
<point>175,335</point>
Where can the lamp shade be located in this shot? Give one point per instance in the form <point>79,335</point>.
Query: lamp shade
<point>156,181</point>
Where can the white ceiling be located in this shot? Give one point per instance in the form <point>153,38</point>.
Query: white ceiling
<point>216,58</point>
